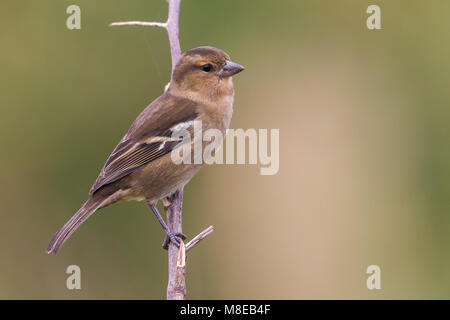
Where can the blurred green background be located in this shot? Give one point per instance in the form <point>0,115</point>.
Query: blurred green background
<point>364,149</point>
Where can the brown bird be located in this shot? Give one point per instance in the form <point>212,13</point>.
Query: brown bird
<point>141,166</point>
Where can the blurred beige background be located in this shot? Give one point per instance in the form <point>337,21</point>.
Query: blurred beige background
<point>364,159</point>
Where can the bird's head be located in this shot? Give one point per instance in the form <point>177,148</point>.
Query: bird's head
<point>205,71</point>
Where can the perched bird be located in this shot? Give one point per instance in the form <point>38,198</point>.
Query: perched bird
<point>141,166</point>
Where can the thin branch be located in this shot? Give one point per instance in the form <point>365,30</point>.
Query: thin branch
<point>179,289</point>
<point>172,206</point>
<point>171,25</point>
<point>139,23</point>
<point>172,31</point>
<point>202,235</point>
<point>176,288</point>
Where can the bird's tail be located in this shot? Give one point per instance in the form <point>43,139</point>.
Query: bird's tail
<point>78,218</point>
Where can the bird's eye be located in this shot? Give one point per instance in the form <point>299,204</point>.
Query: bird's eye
<point>206,67</point>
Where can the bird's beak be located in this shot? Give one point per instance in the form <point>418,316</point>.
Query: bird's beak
<point>230,69</point>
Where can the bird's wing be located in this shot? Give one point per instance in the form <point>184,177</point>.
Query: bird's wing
<point>149,138</point>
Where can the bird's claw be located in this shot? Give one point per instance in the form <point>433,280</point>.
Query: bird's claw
<point>175,238</point>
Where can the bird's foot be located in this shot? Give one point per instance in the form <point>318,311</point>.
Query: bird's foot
<point>175,238</point>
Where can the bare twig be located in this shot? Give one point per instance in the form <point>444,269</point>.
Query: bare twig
<point>179,290</point>
<point>171,25</point>
<point>176,288</point>
<point>202,235</point>
<point>173,206</point>
<point>172,31</point>
<point>139,23</point>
